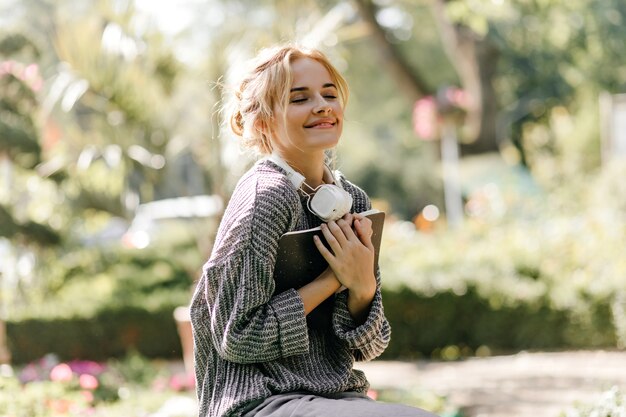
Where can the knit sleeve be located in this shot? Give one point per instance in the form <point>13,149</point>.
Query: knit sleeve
<point>368,340</point>
<point>247,322</point>
<point>371,338</point>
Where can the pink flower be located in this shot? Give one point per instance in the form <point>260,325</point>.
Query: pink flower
<point>457,97</point>
<point>373,394</point>
<point>86,367</point>
<point>425,118</point>
<point>160,384</point>
<point>29,374</point>
<point>87,381</point>
<point>177,383</point>
<point>60,406</point>
<point>87,395</point>
<point>29,74</point>
<point>61,373</point>
<point>6,67</point>
<point>181,382</point>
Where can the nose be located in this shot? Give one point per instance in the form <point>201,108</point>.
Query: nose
<point>322,107</point>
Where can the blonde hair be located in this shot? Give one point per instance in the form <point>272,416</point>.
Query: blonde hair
<point>264,91</point>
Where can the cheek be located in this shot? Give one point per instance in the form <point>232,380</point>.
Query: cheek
<point>338,110</point>
<point>296,118</point>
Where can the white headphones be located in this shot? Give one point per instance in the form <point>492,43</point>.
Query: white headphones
<point>329,202</point>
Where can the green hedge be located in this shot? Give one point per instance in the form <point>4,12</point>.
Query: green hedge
<point>99,304</point>
<point>111,332</point>
<point>423,325</point>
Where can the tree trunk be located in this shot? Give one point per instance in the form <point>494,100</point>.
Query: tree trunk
<point>475,60</point>
<point>6,170</point>
<point>408,80</point>
<point>5,354</point>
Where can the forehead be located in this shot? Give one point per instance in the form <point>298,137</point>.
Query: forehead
<point>308,72</point>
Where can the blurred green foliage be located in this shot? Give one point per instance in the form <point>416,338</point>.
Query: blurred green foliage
<point>543,273</point>
<point>102,109</point>
<point>91,280</point>
<point>127,386</point>
<point>611,403</point>
<point>117,89</point>
<point>420,398</point>
<point>98,304</point>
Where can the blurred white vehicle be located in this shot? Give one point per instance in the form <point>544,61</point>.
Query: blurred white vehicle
<point>173,221</point>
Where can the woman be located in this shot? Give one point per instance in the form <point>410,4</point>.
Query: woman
<point>255,355</point>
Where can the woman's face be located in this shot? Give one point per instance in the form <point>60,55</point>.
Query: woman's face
<point>314,115</point>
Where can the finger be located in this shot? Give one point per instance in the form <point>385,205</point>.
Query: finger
<point>349,217</point>
<point>365,221</point>
<point>347,230</point>
<point>365,226</point>
<point>331,238</point>
<point>326,254</point>
<point>338,231</point>
<point>364,233</point>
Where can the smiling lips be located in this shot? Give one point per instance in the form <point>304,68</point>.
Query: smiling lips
<point>322,124</point>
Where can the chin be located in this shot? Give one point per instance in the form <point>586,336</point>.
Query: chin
<point>327,144</point>
<point>329,140</point>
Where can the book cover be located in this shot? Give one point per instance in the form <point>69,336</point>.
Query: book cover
<point>299,262</point>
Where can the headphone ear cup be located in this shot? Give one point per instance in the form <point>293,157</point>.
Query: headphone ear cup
<point>347,201</point>
<point>330,202</point>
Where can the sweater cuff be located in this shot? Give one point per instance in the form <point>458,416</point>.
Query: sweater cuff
<point>348,330</point>
<point>293,334</point>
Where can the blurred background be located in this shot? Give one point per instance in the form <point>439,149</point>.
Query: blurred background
<point>492,132</point>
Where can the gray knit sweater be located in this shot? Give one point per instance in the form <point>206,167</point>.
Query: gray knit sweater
<point>251,343</point>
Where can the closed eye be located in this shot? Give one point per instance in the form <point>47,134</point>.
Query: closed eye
<point>300,99</point>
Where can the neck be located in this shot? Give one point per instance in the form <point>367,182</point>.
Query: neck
<point>310,165</point>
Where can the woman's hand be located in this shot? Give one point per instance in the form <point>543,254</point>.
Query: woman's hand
<point>352,259</point>
<point>315,292</point>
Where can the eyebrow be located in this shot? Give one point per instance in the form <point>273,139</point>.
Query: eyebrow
<point>327,85</point>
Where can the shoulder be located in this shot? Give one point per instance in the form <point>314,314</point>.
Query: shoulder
<point>275,197</point>
<point>360,199</point>
<point>273,182</point>
<point>264,181</point>
<point>261,208</point>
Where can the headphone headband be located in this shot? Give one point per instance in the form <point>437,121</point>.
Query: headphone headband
<point>295,177</point>
<point>330,201</point>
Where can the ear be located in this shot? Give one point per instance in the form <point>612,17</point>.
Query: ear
<point>262,127</point>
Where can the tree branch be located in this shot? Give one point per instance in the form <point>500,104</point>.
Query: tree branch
<point>408,79</point>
